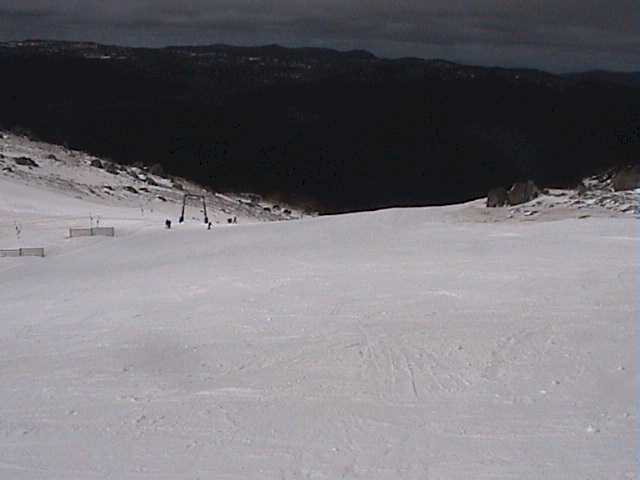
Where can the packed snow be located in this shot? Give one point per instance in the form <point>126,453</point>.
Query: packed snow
<point>427,343</point>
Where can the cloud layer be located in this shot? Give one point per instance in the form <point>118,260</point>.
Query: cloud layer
<point>558,35</point>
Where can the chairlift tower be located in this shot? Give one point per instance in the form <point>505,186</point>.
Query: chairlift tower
<point>197,197</point>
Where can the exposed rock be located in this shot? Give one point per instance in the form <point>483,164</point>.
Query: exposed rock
<point>286,211</point>
<point>626,179</point>
<point>131,189</point>
<point>497,197</point>
<point>96,163</point>
<point>603,177</point>
<point>178,186</point>
<point>23,132</point>
<point>161,198</point>
<point>7,169</point>
<point>26,161</point>
<point>156,169</point>
<point>111,168</point>
<point>51,156</point>
<point>151,181</point>
<point>522,192</point>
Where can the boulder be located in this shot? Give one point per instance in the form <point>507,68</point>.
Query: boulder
<point>626,179</point>
<point>497,197</point>
<point>25,161</point>
<point>522,192</point>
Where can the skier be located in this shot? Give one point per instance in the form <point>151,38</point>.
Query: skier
<point>168,223</point>
<point>209,226</point>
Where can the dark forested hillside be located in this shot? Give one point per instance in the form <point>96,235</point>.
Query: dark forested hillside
<point>343,130</point>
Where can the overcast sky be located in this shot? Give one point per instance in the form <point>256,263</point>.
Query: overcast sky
<point>556,35</point>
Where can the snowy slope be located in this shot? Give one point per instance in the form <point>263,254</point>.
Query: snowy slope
<point>439,343</point>
<point>109,193</point>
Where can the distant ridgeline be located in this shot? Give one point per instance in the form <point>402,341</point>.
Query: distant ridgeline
<point>340,130</point>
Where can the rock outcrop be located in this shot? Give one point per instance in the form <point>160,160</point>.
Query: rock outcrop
<point>497,197</point>
<point>519,193</point>
<point>626,179</point>
<point>522,192</point>
<point>156,169</point>
<point>111,168</point>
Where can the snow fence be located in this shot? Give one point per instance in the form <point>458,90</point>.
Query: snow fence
<point>92,232</point>
<point>22,252</point>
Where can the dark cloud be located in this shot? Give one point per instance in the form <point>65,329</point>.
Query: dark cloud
<point>552,34</point>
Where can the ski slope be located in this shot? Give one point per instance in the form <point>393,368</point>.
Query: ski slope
<point>421,343</point>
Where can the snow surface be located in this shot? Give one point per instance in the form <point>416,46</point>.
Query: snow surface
<point>425,343</point>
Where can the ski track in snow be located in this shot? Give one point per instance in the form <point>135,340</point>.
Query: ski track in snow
<point>401,344</point>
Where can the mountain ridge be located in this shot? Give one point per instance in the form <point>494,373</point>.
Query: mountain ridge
<point>275,48</point>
